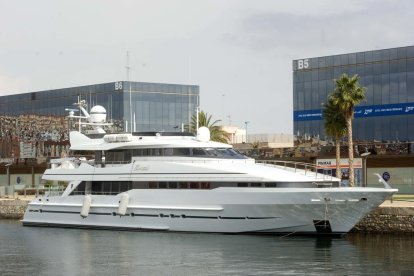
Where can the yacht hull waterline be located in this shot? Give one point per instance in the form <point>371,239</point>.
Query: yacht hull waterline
<point>184,183</point>
<point>222,210</point>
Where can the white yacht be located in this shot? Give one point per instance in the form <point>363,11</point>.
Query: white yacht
<point>180,182</point>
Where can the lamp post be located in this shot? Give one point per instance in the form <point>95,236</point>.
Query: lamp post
<point>364,166</point>
<point>246,129</point>
<point>8,175</point>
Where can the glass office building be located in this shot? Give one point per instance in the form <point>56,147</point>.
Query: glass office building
<point>388,74</point>
<point>137,105</point>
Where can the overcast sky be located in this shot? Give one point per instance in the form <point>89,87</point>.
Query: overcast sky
<point>239,52</point>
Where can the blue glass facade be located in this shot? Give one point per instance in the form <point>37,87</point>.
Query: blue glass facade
<point>155,107</point>
<point>388,74</point>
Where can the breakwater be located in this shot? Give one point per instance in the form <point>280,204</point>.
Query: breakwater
<point>388,218</point>
<point>12,208</point>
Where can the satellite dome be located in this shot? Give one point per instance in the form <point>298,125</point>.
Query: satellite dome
<point>203,134</point>
<point>98,109</point>
<point>98,114</point>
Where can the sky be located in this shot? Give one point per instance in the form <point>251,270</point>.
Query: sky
<point>239,52</point>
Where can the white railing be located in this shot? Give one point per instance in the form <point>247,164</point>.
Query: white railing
<point>309,169</point>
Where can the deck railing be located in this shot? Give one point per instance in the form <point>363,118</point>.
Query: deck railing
<point>319,172</point>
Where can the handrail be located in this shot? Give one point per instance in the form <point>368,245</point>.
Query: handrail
<point>296,166</point>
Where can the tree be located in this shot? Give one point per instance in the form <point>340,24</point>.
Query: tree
<point>335,126</point>
<point>216,133</point>
<point>348,93</point>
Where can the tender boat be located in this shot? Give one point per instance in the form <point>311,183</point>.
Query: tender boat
<point>160,181</point>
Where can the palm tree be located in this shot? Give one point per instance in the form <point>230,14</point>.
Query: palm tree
<point>335,126</point>
<point>348,93</point>
<point>216,133</point>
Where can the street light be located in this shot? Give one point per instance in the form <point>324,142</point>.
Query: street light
<point>364,166</point>
<point>8,175</point>
<point>246,129</point>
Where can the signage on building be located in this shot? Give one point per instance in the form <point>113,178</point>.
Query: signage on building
<point>386,176</point>
<point>7,160</point>
<point>360,111</point>
<point>331,163</point>
<point>303,64</point>
<point>27,150</point>
<point>118,85</point>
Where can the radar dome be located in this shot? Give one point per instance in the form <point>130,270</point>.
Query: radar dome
<point>203,134</point>
<point>98,114</point>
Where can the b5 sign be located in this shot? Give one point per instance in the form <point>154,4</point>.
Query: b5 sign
<point>303,64</point>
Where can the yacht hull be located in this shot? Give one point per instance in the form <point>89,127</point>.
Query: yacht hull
<point>321,211</point>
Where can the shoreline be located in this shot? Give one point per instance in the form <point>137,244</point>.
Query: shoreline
<point>391,217</point>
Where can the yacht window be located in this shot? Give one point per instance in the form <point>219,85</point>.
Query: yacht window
<point>118,156</point>
<point>270,185</point>
<point>136,185</point>
<point>205,185</point>
<point>156,152</point>
<point>106,188</point>
<point>115,187</point>
<point>213,152</point>
<point>96,187</point>
<point>127,155</point>
<point>80,189</point>
<point>242,184</point>
<point>152,185</point>
<point>183,185</point>
<point>198,152</point>
<point>102,187</point>
<point>162,185</point>
<point>98,157</point>
<point>194,185</point>
<point>141,152</point>
<point>168,152</point>
<point>231,153</point>
<point>255,184</point>
<point>172,185</point>
<point>181,152</point>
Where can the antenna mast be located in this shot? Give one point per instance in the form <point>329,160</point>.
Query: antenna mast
<point>128,68</point>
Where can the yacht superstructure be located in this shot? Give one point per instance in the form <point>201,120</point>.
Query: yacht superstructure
<point>181,182</point>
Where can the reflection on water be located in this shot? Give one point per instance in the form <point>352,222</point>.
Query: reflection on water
<point>52,251</point>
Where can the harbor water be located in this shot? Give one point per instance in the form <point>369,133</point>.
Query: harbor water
<point>57,251</point>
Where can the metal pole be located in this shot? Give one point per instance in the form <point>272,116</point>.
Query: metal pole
<point>364,167</point>
<point>365,172</point>
<point>197,114</point>
<point>246,129</point>
<point>33,177</point>
<point>8,174</point>
<point>8,177</point>
<point>128,68</point>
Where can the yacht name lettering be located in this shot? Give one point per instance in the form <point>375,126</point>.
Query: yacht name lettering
<point>141,168</point>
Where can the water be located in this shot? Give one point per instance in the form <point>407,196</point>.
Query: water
<point>53,251</point>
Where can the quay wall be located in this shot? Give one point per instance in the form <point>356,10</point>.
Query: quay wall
<point>382,220</point>
<point>388,220</point>
<point>12,209</point>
